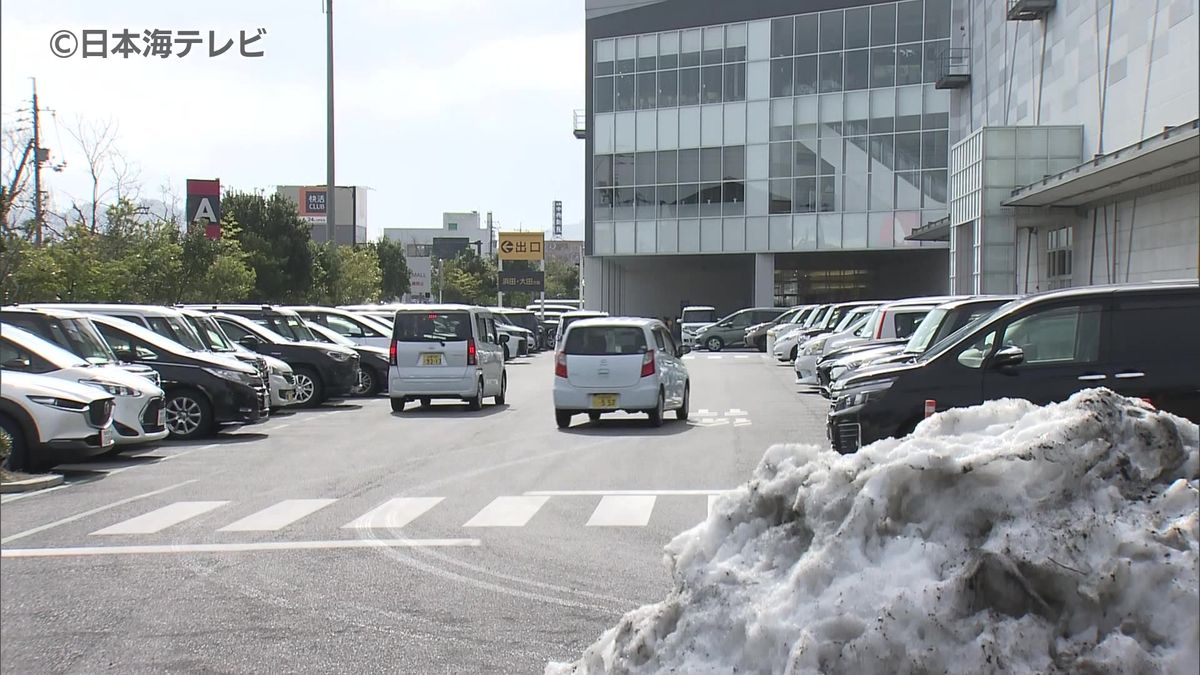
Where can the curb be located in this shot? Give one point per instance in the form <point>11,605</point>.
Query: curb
<point>31,484</point>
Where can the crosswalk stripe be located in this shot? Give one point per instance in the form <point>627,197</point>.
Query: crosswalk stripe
<point>394,513</point>
<point>622,511</point>
<point>507,512</point>
<point>277,516</point>
<point>160,519</point>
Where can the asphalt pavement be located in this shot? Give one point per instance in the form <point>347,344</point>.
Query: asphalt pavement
<point>350,539</point>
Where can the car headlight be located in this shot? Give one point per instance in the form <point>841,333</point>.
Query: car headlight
<point>861,395</point>
<point>60,403</point>
<point>814,346</point>
<point>113,388</point>
<point>340,357</point>
<point>234,375</point>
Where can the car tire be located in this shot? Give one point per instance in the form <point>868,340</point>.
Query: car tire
<point>594,416</point>
<point>500,398</point>
<point>682,413</point>
<point>507,356</point>
<point>189,414</point>
<point>476,401</point>
<point>398,404</point>
<point>368,383</point>
<point>310,393</point>
<point>656,413</point>
<point>426,402</point>
<point>794,353</point>
<point>714,344</point>
<point>19,455</point>
<point>562,418</point>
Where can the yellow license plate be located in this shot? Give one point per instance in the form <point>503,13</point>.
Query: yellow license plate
<point>431,359</point>
<point>604,400</point>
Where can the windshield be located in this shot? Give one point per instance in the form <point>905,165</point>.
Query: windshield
<point>950,340</point>
<point>802,316</point>
<point>289,326</point>
<point>605,341</point>
<point>57,356</point>
<point>177,329</point>
<point>872,326</point>
<point>145,335</point>
<point>699,316</point>
<point>817,318</point>
<point>324,334</point>
<point>851,315</point>
<point>432,327</point>
<point>210,332</point>
<point>923,336</point>
<point>82,338</point>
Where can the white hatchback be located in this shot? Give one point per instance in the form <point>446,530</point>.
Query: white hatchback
<point>611,364</point>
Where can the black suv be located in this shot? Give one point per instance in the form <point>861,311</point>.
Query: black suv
<point>1138,340</point>
<point>323,371</point>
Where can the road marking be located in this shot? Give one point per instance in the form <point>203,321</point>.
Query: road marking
<point>507,512</point>
<point>735,412</point>
<point>277,427</point>
<point>394,513</point>
<point>232,548</point>
<point>622,511</point>
<point>741,356</point>
<point>91,512</point>
<point>277,516</point>
<point>160,519</point>
<point>714,356</point>
<point>602,493</point>
<point>741,422</point>
<point>703,412</point>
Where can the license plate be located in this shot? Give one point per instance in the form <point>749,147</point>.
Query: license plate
<point>162,417</point>
<point>431,359</point>
<point>604,400</point>
<point>105,437</point>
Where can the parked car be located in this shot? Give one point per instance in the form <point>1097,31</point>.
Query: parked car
<point>526,319</point>
<point>385,312</point>
<point>694,317</point>
<point>446,351</point>
<point>48,420</point>
<point>825,321</point>
<point>731,330</point>
<point>203,390</point>
<point>372,361</point>
<point>520,340</point>
<point>360,329</point>
<point>139,415</point>
<point>281,378</point>
<point>568,318</point>
<point>1137,339</point>
<point>611,364</point>
<point>854,320</point>
<point>784,345</point>
<point>74,332</point>
<point>323,372</point>
<point>756,335</point>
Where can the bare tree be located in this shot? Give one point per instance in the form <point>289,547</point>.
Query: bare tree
<point>96,142</point>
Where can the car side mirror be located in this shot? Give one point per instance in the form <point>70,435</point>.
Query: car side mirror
<point>17,364</point>
<point>682,349</point>
<point>127,355</point>
<point>504,339</point>
<point>250,341</point>
<point>1008,357</point>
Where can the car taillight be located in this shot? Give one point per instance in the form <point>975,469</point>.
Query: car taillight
<point>392,352</point>
<point>648,363</point>
<point>560,364</point>
<point>471,354</point>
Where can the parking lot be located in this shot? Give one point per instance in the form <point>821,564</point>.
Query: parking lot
<point>348,538</point>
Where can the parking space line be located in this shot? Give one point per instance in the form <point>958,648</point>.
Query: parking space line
<point>622,511</point>
<point>602,493</point>
<point>162,518</point>
<point>233,548</point>
<point>91,512</point>
<point>277,516</point>
<point>507,512</point>
<point>394,513</point>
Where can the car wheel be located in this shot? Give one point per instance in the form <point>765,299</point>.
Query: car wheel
<point>309,392</point>
<point>426,402</point>
<point>656,413</point>
<point>682,413</point>
<point>794,353</point>
<point>368,383</point>
<point>562,418</point>
<point>188,414</point>
<point>476,401</point>
<point>714,344</point>
<point>18,452</point>
<point>501,397</point>
<point>398,404</point>
<point>594,416</point>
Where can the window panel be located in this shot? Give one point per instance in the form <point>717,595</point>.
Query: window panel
<point>854,231</point>
<point>909,21</point>
<point>830,156</point>
<point>829,231</point>
<point>858,159</point>
<point>831,114</point>
<point>804,238</point>
<point>757,161</point>
<point>710,84</point>
<point>933,187</point>
<point>689,49</point>
<point>858,71</point>
<point>831,72</point>
<point>735,124</point>
<point>780,200</point>
<point>782,36</point>
<point>827,194</point>
<point>668,46</point>
<point>733,165</point>
<point>626,88</point>
<point>710,199</point>
<point>602,170</point>
<point>908,64</point>
<point>806,34</point>
<point>759,40</point>
<point>667,196</point>
<point>908,152</point>
<point>623,170</point>
<point>805,122</point>
<point>689,86</point>
<point>624,199</point>
<point>605,52</point>
<point>647,91</point>
<point>935,151</point>
<point>831,31</point>
<point>804,199</point>
<point>710,164</point>
<point>908,190</point>
<point>668,89</point>
<point>883,188</point>
<point>937,19</point>
<point>883,110</point>
<point>646,204</point>
<point>858,111</point>
<point>908,109</point>
<point>602,203</point>
<point>735,82</point>
<point>883,25</point>
<point>804,158</point>
<point>855,192</point>
<point>667,163</point>
<point>689,166</point>
<point>644,168</point>
<point>689,127</point>
<point>781,119</point>
<point>781,77</point>
<point>714,45</point>
<point>626,132</point>
<point>882,148</point>
<point>756,198</point>
<point>689,200</point>
<point>603,132</point>
<point>883,67</point>
<point>858,27</point>
<point>804,79</point>
<point>603,96</point>
<point>781,160</point>
<point>668,129</point>
<point>735,42</point>
<point>932,51</point>
<point>733,196</point>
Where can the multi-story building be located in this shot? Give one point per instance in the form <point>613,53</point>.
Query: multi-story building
<point>350,204</point>
<point>418,241</point>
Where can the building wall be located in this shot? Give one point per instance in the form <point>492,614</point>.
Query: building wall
<point>417,240</point>
<point>639,286</point>
<point>351,206</point>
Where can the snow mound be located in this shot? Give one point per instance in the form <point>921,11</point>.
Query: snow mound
<point>1005,537</point>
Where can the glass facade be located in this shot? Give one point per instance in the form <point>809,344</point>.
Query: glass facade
<point>805,132</point>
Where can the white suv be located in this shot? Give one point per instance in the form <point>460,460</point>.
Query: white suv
<point>139,416</point>
<point>612,364</point>
<point>49,420</point>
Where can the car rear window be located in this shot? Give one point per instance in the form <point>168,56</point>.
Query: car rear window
<point>700,316</point>
<point>432,326</point>
<point>605,341</point>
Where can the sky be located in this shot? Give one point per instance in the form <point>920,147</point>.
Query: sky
<point>441,105</point>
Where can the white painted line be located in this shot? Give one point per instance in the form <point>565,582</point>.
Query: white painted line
<point>231,548</point>
<point>622,511</point>
<point>394,513</point>
<point>741,422</point>
<point>91,512</point>
<point>741,356</point>
<point>714,356</point>
<point>277,516</point>
<point>735,412</point>
<point>12,497</point>
<point>277,427</point>
<point>602,493</point>
<point>703,412</point>
<point>160,519</point>
<point>507,512</point>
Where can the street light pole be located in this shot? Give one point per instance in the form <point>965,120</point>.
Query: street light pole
<point>330,184</point>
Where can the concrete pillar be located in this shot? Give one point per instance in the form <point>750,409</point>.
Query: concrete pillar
<point>593,281</point>
<point>764,279</point>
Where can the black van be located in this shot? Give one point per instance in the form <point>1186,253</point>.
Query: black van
<point>1138,340</point>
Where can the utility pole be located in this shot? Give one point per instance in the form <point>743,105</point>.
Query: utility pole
<point>37,169</point>
<point>330,184</point>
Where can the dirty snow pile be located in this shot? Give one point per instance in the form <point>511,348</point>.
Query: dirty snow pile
<point>1001,538</point>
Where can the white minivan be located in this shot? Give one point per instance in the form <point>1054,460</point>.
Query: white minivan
<point>446,351</point>
<point>612,364</point>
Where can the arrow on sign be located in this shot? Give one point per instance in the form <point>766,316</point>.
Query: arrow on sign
<point>506,246</point>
